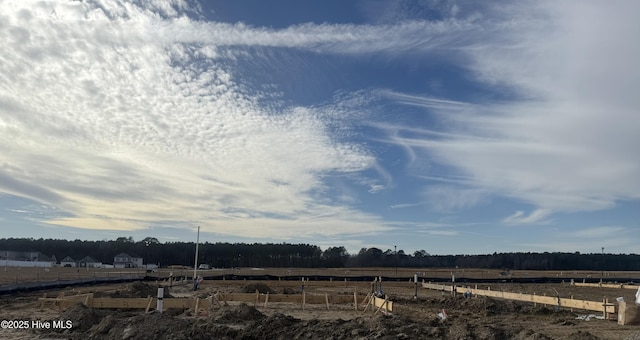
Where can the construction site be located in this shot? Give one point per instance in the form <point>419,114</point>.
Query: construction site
<point>279,304</point>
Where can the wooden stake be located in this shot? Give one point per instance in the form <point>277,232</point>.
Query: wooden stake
<point>146,310</point>
<point>44,296</point>
<point>355,301</point>
<point>571,309</point>
<point>215,298</point>
<point>366,306</point>
<point>326,299</point>
<point>86,301</point>
<point>367,299</point>
<point>266,300</point>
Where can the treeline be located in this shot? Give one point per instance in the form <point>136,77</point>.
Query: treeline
<point>218,255</point>
<point>373,257</point>
<point>226,255</point>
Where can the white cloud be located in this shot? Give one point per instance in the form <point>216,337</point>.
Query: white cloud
<point>127,115</point>
<point>405,205</point>
<point>535,216</point>
<point>565,136</point>
<point>615,239</point>
<point>447,198</point>
<point>124,118</point>
<point>598,233</point>
<point>443,232</point>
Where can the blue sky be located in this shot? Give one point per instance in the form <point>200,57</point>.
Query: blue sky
<point>456,127</point>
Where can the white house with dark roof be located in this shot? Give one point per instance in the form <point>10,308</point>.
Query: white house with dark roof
<point>124,260</point>
<point>15,258</point>
<point>68,262</point>
<point>89,262</point>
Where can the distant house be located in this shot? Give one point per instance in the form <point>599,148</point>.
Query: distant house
<point>14,258</point>
<point>124,260</point>
<point>68,262</point>
<point>89,262</point>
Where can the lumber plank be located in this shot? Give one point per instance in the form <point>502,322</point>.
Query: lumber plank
<point>604,285</point>
<point>378,302</point>
<point>547,300</point>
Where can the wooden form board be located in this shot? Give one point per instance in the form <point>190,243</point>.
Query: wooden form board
<point>604,285</point>
<point>435,286</point>
<point>292,298</point>
<point>628,314</point>
<point>382,303</point>
<point>547,300</point>
<point>143,303</point>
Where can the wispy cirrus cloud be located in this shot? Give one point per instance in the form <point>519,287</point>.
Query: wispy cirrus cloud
<point>589,239</point>
<point>562,135</point>
<point>519,217</point>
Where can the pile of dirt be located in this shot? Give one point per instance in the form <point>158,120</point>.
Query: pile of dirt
<point>259,286</point>
<point>236,314</point>
<point>148,326</point>
<point>583,335</point>
<point>477,318</point>
<point>140,290</point>
<point>82,317</point>
<point>289,291</point>
<point>246,322</point>
<point>485,306</point>
<point>528,334</point>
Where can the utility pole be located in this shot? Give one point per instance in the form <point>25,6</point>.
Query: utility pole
<point>602,263</point>
<point>195,266</point>
<point>395,250</point>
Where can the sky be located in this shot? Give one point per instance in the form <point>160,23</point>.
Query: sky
<point>450,126</point>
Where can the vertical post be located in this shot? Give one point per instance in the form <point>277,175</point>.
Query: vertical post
<point>195,266</point>
<point>160,296</point>
<point>602,264</point>
<point>303,299</point>
<point>355,301</point>
<point>149,300</point>
<point>571,309</point>
<point>453,288</point>
<point>395,250</point>
<point>415,281</point>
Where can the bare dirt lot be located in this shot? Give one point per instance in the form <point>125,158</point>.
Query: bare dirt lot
<point>474,318</point>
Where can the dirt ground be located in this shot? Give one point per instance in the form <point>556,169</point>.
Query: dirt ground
<point>15,275</point>
<point>475,318</point>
